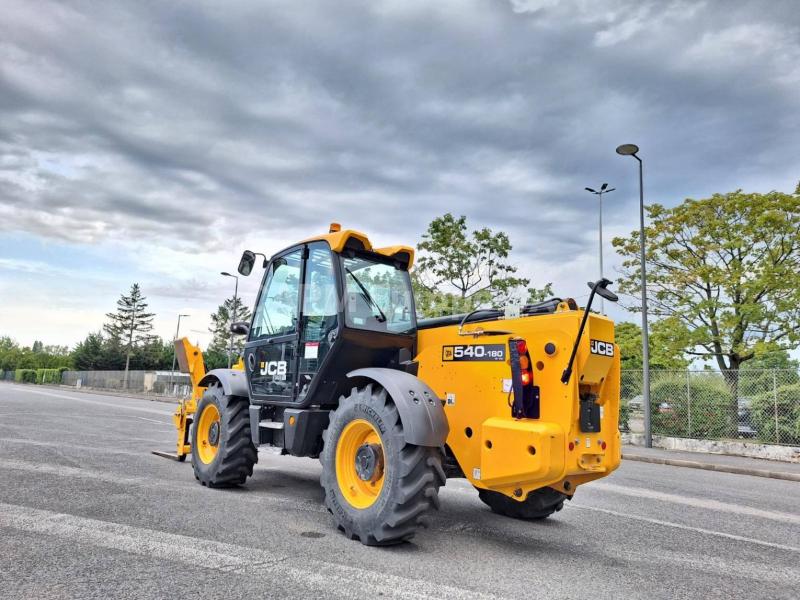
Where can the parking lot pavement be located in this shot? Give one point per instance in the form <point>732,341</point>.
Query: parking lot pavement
<point>87,511</point>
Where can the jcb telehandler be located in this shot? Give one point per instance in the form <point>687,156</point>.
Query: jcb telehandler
<point>337,366</point>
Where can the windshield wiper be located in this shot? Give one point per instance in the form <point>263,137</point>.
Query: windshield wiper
<point>367,296</point>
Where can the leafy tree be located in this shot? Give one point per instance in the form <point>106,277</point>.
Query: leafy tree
<point>458,271</point>
<point>13,356</point>
<point>728,269</point>
<point>771,358</point>
<point>221,322</point>
<point>9,354</point>
<point>215,358</point>
<point>131,325</point>
<point>663,351</point>
<point>154,355</point>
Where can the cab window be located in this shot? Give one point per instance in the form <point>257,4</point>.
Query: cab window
<point>378,296</point>
<point>276,312</point>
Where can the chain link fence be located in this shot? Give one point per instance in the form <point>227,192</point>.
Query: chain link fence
<point>757,405</point>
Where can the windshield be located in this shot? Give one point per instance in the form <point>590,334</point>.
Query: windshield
<point>377,296</point>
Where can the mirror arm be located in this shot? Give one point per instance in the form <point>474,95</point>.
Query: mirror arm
<point>599,284</point>
<point>266,260</point>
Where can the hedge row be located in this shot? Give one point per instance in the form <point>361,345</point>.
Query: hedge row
<point>764,411</point>
<point>39,375</point>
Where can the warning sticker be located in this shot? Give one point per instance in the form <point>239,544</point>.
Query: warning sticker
<point>311,350</point>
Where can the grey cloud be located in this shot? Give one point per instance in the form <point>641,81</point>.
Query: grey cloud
<point>193,123</point>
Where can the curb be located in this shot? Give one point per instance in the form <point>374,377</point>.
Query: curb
<point>674,462</point>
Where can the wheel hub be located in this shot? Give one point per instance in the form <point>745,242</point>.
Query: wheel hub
<point>369,462</point>
<point>213,434</point>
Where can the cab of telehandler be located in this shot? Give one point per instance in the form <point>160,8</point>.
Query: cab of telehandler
<point>321,314</point>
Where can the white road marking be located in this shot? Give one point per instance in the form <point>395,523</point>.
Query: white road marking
<point>730,536</point>
<point>95,402</point>
<point>326,578</point>
<point>152,421</point>
<point>704,503</point>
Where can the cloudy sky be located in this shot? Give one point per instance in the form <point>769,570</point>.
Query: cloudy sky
<point>154,141</point>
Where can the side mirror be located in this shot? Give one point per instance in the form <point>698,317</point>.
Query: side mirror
<point>240,328</point>
<point>603,291</point>
<point>246,263</point>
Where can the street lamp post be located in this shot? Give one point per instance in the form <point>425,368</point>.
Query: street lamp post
<point>233,316</point>
<point>603,190</point>
<point>175,351</point>
<point>631,150</point>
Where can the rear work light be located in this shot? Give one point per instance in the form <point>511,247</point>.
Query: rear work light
<point>525,403</point>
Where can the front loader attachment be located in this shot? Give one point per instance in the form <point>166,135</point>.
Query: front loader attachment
<point>190,360</point>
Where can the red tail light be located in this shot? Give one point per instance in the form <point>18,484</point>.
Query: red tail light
<point>526,394</point>
<point>524,363</point>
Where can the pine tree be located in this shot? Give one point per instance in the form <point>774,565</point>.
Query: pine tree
<point>221,327</point>
<point>131,325</point>
<point>87,355</point>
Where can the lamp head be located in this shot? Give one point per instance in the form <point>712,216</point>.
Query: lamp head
<point>627,149</point>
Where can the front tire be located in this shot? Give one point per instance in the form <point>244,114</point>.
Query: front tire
<point>223,453</point>
<point>539,504</point>
<point>378,488</point>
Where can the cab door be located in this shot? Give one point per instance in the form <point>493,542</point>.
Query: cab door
<point>271,349</point>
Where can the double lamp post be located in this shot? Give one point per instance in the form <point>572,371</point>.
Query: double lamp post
<point>632,150</point>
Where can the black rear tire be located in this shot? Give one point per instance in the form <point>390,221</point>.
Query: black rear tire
<point>412,474</point>
<point>539,504</point>
<point>236,454</point>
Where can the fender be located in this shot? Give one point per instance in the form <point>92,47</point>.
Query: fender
<point>233,381</point>
<point>421,411</point>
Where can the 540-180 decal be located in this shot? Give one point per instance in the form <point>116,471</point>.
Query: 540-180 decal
<point>488,352</point>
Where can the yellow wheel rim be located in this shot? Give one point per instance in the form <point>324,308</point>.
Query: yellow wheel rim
<point>208,433</point>
<point>358,492</point>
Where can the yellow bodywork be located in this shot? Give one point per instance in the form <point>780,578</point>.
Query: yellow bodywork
<point>515,456</point>
<point>338,238</point>
<point>190,360</point>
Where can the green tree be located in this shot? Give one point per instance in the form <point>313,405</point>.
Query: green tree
<point>154,355</point>
<point>88,354</point>
<point>130,325</point>
<point>38,356</point>
<point>458,271</point>
<point>728,269</point>
<point>664,352</point>
<point>9,354</point>
<point>221,322</point>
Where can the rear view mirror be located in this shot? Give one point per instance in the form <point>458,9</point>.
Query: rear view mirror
<point>602,289</point>
<point>240,328</point>
<point>247,262</point>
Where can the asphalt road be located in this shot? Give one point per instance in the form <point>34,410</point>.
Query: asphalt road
<point>86,511</point>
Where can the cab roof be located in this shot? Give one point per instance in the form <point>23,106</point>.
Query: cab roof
<point>339,239</point>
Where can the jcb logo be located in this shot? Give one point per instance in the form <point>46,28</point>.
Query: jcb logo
<point>275,369</point>
<point>601,348</point>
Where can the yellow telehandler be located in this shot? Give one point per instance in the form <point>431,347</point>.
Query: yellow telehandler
<point>337,366</point>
